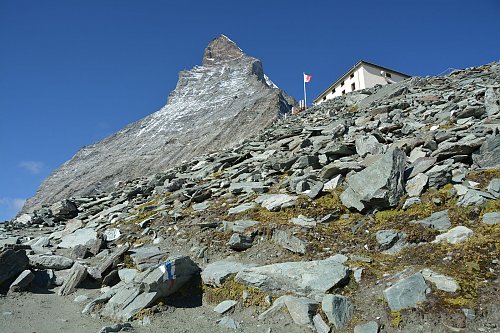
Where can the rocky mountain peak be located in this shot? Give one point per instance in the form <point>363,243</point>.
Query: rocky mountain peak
<point>221,49</point>
<point>213,106</point>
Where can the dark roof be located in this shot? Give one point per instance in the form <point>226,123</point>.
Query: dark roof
<point>353,68</point>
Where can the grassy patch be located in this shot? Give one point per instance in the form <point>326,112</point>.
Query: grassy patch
<point>233,290</point>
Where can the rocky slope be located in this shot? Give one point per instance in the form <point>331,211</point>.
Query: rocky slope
<point>214,106</point>
<point>374,212</point>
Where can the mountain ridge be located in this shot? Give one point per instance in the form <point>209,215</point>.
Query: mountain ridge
<point>213,106</point>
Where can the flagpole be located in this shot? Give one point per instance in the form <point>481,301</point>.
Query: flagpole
<point>305,94</point>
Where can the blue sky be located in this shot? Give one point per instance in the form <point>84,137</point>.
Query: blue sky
<point>73,72</point>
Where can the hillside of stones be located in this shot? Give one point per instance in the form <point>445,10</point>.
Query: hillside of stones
<point>214,106</point>
<point>377,211</point>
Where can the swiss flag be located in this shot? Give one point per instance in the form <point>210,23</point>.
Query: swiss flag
<point>307,78</point>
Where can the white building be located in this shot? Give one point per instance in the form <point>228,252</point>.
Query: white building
<point>361,76</point>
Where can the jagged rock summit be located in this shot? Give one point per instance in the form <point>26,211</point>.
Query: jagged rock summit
<point>213,106</point>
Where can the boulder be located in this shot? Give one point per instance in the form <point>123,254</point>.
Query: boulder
<point>455,235</point>
<point>301,309</point>
<point>50,261</point>
<point>492,101</point>
<point>225,306</point>
<point>274,202</point>
<point>77,274</point>
<point>338,309</point>
<point>442,282</point>
<point>12,263</point>
<point>488,155</point>
<point>289,242</point>
<point>378,186</point>
<point>369,327</point>
<point>240,242</point>
<point>406,293</point>
<point>438,221</point>
<point>306,278</point>
<point>217,272</point>
<point>64,210</point>
<point>241,208</point>
<point>153,283</point>
<point>416,185</point>
<point>247,187</point>
<point>319,324</point>
<point>368,144</point>
<point>144,257</point>
<point>85,236</point>
<point>228,322</point>
<point>491,218</point>
<point>494,187</point>
<point>240,226</point>
<point>23,281</point>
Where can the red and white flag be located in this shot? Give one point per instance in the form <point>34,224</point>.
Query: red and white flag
<point>307,78</point>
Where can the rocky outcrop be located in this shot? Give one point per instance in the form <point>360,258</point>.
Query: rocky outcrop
<point>214,106</point>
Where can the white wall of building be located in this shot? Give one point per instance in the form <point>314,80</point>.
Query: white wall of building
<point>364,76</point>
<point>372,76</point>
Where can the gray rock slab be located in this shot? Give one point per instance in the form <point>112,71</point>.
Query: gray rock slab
<point>247,187</point>
<point>301,309</point>
<point>77,274</point>
<point>50,261</point>
<point>369,327</point>
<point>240,242</point>
<point>23,281</point>
<point>127,275</point>
<point>387,238</point>
<point>274,202</point>
<point>116,328</point>
<point>217,272</point>
<point>368,144</point>
<point>420,165</point>
<point>442,282</point>
<point>228,322</point>
<point>146,256</point>
<point>474,198</point>
<point>200,206</point>
<point>289,242</point>
<point>492,101</point>
<point>494,187</point>
<point>147,286</point>
<point>308,278</point>
<point>241,208</point>
<point>303,221</point>
<point>491,218</point>
<point>12,240</point>
<point>111,234</point>
<point>378,186</point>
<point>406,293</point>
<point>12,263</point>
<point>333,183</point>
<point>416,185</point>
<point>319,324</point>
<point>455,235</point>
<point>225,306</point>
<point>338,309</point>
<point>438,221</point>
<point>85,236</point>
<point>410,202</point>
<point>488,155</point>
<point>240,226</point>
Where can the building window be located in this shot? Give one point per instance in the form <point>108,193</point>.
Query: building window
<point>353,86</point>
<point>343,92</point>
<point>333,91</point>
<point>388,75</point>
<point>342,83</point>
<point>351,76</point>
<point>324,98</point>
